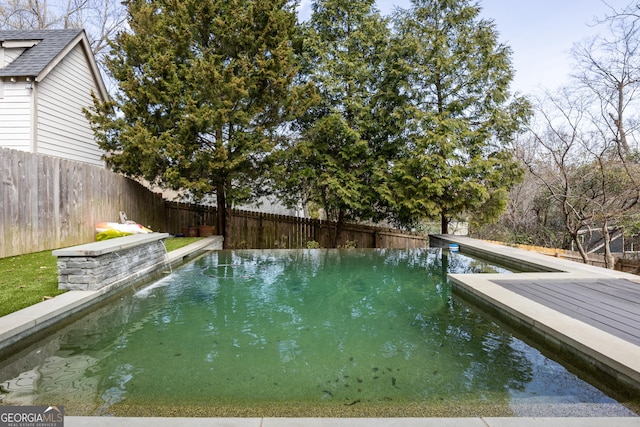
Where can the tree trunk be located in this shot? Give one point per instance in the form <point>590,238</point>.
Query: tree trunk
<point>573,229</point>
<point>221,218</point>
<point>622,136</point>
<point>609,261</point>
<point>444,223</point>
<point>576,239</point>
<point>338,228</point>
<point>221,200</point>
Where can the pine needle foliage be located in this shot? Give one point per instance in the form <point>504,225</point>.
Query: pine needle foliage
<point>203,86</point>
<point>462,118</point>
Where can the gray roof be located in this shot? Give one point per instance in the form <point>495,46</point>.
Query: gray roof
<point>35,59</point>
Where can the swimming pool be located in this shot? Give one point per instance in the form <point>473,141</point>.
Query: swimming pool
<point>298,333</point>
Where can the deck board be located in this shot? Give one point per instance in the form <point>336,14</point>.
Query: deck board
<point>612,305</point>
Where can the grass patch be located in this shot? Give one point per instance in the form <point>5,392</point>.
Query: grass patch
<point>29,279</point>
<point>176,243</point>
<point>26,280</point>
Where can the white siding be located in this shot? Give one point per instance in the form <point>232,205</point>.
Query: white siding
<point>15,116</point>
<point>10,55</point>
<point>63,130</point>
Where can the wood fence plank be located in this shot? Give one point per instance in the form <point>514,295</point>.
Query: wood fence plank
<point>13,207</point>
<point>4,199</point>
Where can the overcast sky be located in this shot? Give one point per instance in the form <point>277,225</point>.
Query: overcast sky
<point>541,33</point>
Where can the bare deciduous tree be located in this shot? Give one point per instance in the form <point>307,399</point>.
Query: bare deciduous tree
<point>609,68</point>
<point>558,138</point>
<point>582,167</point>
<point>583,149</point>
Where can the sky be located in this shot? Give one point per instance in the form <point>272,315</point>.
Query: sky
<point>540,33</point>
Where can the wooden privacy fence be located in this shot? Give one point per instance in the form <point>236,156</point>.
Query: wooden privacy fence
<point>270,231</point>
<point>258,230</point>
<point>49,203</point>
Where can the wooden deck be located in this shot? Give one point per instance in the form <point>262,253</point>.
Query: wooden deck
<point>612,305</point>
<point>588,312</point>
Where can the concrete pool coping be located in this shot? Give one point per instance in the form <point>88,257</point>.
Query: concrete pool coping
<point>350,422</point>
<point>57,308</point>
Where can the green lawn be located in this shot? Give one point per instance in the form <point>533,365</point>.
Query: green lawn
<point>28,279</point>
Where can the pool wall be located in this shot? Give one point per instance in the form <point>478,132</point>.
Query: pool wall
<point>490,254</point>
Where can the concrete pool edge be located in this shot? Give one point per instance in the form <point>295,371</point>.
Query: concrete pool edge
<point>21,324</point>
<point>526,260</point>
<point>352,422</point>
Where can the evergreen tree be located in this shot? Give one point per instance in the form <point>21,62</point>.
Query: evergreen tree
<point>203,87</point>
<point>462,118</point>
<point>339,158</point>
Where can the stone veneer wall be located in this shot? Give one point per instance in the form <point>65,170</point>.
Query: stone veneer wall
<point>97,265</point>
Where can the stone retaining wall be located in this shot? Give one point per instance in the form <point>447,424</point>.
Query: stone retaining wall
<point>114,262</point>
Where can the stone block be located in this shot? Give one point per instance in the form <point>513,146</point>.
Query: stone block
<point>69,271</point>
<point>82,279</point>
<point>76,287</point>
<point>82,263</point>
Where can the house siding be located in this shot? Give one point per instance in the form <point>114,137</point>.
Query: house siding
<point>10,55</point>
<point>15,115</point>
<point>62,129</point>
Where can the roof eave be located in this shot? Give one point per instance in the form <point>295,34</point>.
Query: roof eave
<point>81,39</point>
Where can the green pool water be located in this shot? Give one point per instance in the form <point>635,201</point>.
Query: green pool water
<point>306,332</point>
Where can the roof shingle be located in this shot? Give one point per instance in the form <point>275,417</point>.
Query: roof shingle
<point>35,59</point>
